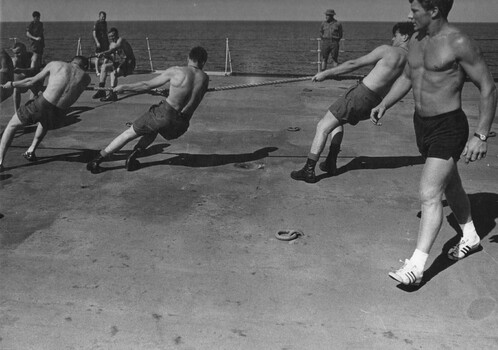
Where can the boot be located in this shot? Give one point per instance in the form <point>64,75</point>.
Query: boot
<point>94,165</point>
<point>131,162</point>
<point>99,93</point>
<point>307,173</point>
<point>111,97</point>
<point>330,164</point>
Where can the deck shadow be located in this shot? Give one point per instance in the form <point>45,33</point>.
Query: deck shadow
<point>484,208</point>
<point>364,162</point>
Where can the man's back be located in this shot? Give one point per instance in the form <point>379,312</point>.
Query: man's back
<point>66,82</point>
<point>187,88</point>
<point>387,69</point>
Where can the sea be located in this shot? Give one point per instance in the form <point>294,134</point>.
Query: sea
<point>246,47</point>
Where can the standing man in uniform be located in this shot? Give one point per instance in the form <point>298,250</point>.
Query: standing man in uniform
<point>100,37</point>
<point>331,35</point>
<point>66,82</point>
<point>355,105</point>
<point>121,63</point>
<point>170,118</point>
<point>440,57</point>
<point>35,33</point>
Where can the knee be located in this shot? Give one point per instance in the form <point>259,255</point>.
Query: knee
<point>430,195</point>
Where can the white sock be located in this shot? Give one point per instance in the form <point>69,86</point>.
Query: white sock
<point>419,258</point>
<point>469,232</point>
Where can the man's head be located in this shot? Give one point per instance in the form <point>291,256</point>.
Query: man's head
<point>113,34</point>
<point>198,55</point>
<point>402,32</point>
<point>329,14</point>
<point>19,49</point>
<point>36,15</point>
<point>438,8</point>
<point>81,61</point>
<point>102,15</point>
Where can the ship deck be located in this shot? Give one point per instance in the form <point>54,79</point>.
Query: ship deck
<point>182,254</point>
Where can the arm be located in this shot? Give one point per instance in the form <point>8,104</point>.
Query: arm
<point>141,86</point>
<point>472,62</point>
<point>115,48</point>
<point>349,66</point>
<point>28,34</point>
<point>340,31</point>
<point>399,89</point>
<point>94,33</point>
<point>29,82</point>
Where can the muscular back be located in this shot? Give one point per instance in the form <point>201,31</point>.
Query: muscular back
<point>435,71</point>
<point>387,69</point>
<point>187,88</point>
<point>66,82</point>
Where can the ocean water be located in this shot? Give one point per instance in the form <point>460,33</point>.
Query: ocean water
<point>287,48</point>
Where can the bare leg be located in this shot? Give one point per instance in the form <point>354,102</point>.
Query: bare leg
<point>436,176</point>
<point>8,136</point>
<point>39,135</point>
<point>120,141</point>
<point>458,199</point>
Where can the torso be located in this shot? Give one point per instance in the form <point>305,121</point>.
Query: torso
<point>66,82</point>
<point>182,84</point>
<point>436,76</point>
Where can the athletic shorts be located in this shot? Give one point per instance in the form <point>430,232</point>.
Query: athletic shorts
<point>443,136</point>
<point>42,111</point>
<point>37,47</point>
<point>355,105</point>
<point>162,119</point>
<point>126,67</point>
<point>330,47</point>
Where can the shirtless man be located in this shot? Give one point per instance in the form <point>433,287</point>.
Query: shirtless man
<point>121,63</point>
<point>170,118</point>
<point>356,103</point>
<point>6,74</point>
<point>66,82</point>
<point>25,65</point>
<point>439,59</point>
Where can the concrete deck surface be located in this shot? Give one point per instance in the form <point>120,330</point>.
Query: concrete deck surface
<point>181,254</point>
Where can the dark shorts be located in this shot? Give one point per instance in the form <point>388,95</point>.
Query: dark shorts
<point>126,67</point>
<point>355,105</point>
<point>162,119</point>
<point>42,111</point>
<point>37,47</point>
<point>330,47</point>
<point>443,136</point>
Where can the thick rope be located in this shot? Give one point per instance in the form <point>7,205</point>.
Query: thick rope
<point>220,88</point>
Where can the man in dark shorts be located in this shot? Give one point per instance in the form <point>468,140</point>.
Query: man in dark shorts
<point>331,35</point>
<point>356,103</point>
<point>99,34</point>
<point>170,118</point>
<point>440,58</point>
<point>6,74</point>
<point>66,82</point>
<point>121,62</point>
<point>35,32</point>
<point>25,65</point>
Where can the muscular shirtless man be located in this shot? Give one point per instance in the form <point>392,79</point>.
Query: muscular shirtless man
<point>170,118</point>
<point>66,82</point>
<point>25,65</point>
<point>356,103</point>
<point>440,57</point>
<point>121,62</point>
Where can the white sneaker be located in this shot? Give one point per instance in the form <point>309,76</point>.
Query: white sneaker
<point>463,248</point>
<point>409,274</point>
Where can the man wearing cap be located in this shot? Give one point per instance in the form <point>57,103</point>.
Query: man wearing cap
<point>331,35</point>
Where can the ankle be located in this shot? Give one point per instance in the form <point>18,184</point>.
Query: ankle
<point>469,231</point>
<point>419,258</point>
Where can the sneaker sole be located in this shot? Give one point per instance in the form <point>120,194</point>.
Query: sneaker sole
<point>415,282</point>
<point>469,252</point>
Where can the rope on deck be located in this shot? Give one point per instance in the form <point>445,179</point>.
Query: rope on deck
<point>221,88</point>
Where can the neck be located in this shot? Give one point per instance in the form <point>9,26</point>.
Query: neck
<point>436,27</point>
<point>193,65</point>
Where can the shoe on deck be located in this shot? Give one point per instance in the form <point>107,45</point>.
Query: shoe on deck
<point>99,94</point>
<point>409,274</point>
<point>111,97</point>
<point>305,174</point>
<point>131,162</point>
<point>30,156</point>
<point>327,168</point>
<point>94,167</point>
<point>463,249</point>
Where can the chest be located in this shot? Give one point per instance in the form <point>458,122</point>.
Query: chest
<point>432,55</point>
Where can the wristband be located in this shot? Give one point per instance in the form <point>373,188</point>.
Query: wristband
<point>12,84</point>
<point>481,137</point>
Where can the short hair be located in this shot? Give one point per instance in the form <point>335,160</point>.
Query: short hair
<point>20,45</point>
<point>113,30</point>
<point>36,14</point>
<point>444,6</point>
<point>198,54</point>
<point>404,28</point>
<point>102,13</point>
<point>81,61</point>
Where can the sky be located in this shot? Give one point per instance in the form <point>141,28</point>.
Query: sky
<point>268,10</point>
